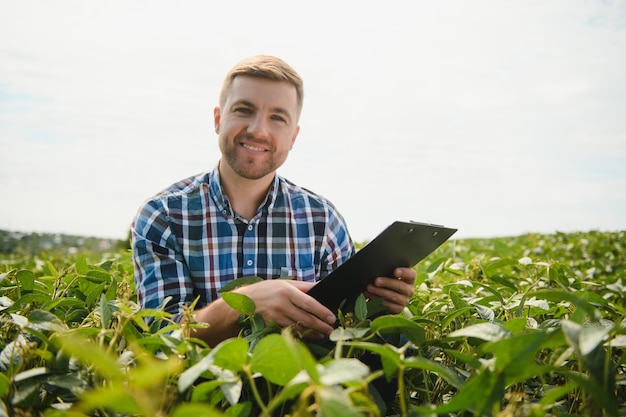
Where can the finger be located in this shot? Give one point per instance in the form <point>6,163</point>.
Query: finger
<point>395,285</point>
<point>308,313</point>
<point>302,285</point>
<point>407,275</point>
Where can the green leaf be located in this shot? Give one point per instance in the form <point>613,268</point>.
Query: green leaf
<point>5,302</point>
<point>115,398</point>
<point>203,391</point>
<point>397,324</point>
<point>31,373</point>
<point>44,320</point>
<point>240,302</point>
<point>348,333</point>
<point>435,264</point>
<point>485,313</point>
<point>560,296</point>
<point>271,351</point>
<point>91,291</point>
<point>26,280</point>
<point>239,282</point>
<point>63,302</point>
<point>344,370</point>
<point>81,265</point>
<point>335,407</point>
<point>89,354</point>
<point>187,378</point>
<point>196,410</point>
<point>587,341</point>
<point>457,300</point>
<point>71,382</point>
<point>242,409</point>
<point>457,312</point>
<point>105,312</point>
<point>478,394</point>
<point>518,352</point>
<point>418,362</point>
<point>153,372</point>
<point>360,307</point>
<point>490,332</point>
<point>34,298</point>
<point>232,354</point>
<point>5,385</point>
<point>99,275</point>
<point>389,356</point>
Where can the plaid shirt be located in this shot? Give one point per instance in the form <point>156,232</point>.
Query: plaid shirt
<point>188,242</point>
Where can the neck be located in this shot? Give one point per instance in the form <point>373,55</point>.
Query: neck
<point>245,195</point>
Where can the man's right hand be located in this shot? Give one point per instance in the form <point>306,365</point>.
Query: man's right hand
<point>286,303</point>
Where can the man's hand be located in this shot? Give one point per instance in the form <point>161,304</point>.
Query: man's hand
<point>396,292</point>
<point>286,303</point>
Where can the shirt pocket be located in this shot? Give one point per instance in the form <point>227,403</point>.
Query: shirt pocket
<point>300,274</point>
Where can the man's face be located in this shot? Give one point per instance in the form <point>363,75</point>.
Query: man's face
<point>257,125</point>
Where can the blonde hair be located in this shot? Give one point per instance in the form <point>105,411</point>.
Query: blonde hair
<point>265,67</point>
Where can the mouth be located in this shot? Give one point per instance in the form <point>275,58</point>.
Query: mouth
<point>253,148</point>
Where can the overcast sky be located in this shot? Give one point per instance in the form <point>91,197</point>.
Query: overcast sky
<point>494,117</point>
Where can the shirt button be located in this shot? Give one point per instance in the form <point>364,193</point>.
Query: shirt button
<point>250,227</point>
<point>249,262</point>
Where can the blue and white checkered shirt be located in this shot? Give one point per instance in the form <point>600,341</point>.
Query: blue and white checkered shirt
<point>188,242</point>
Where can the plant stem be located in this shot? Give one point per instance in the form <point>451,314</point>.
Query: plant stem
<point>401,393</point>
<point>255,391</point>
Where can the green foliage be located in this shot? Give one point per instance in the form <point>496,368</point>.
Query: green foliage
<point>523,326</point>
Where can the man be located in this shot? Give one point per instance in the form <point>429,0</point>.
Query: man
<point>242,219</point>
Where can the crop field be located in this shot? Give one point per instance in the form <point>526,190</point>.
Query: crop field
<point>532,325</point>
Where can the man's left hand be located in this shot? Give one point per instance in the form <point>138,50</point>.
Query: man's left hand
<point>396,291</point>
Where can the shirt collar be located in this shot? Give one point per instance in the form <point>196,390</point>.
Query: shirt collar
<point>221,199</point>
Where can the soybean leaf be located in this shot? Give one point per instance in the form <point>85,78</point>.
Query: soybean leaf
<point>389,356</point>
<point>418,362</point>
<point>26,280</point>
<point>386,324</point>
<point>335,407</point>
<point>105,312</point>
<point>81,265</point>
<point>89,354</point>
<point>360,307</point>
<point>114,398</point>
<point>240,302</point>
<point>5,385</point>
<point>239,282</point>
<point>271,351</point>
<point>232,355</point>
<point>490,332</point>
<point>196,410</point>
<point>44,320</point>
<point>344,370</point>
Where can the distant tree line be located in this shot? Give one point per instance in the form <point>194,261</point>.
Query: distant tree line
<point>20,243</point>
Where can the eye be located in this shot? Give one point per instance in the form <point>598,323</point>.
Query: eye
<point>279,118</point>
<point>243,110</point>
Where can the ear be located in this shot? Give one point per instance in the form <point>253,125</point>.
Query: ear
<point>295,135</point>
<point>217,117</point>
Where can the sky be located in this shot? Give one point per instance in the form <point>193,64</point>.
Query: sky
<point>498,118</point>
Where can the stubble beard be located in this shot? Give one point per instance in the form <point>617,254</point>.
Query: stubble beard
<point>248,167</point>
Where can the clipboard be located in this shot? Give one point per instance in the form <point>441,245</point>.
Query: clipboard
<point>402,244</point>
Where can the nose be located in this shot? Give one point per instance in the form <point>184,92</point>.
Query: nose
<point>258,126</point>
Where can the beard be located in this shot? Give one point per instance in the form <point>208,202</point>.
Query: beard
<point>252,167</point>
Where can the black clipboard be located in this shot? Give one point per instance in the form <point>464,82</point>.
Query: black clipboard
<point>402,244</point>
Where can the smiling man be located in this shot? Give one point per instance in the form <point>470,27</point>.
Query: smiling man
<point>242,219</point>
